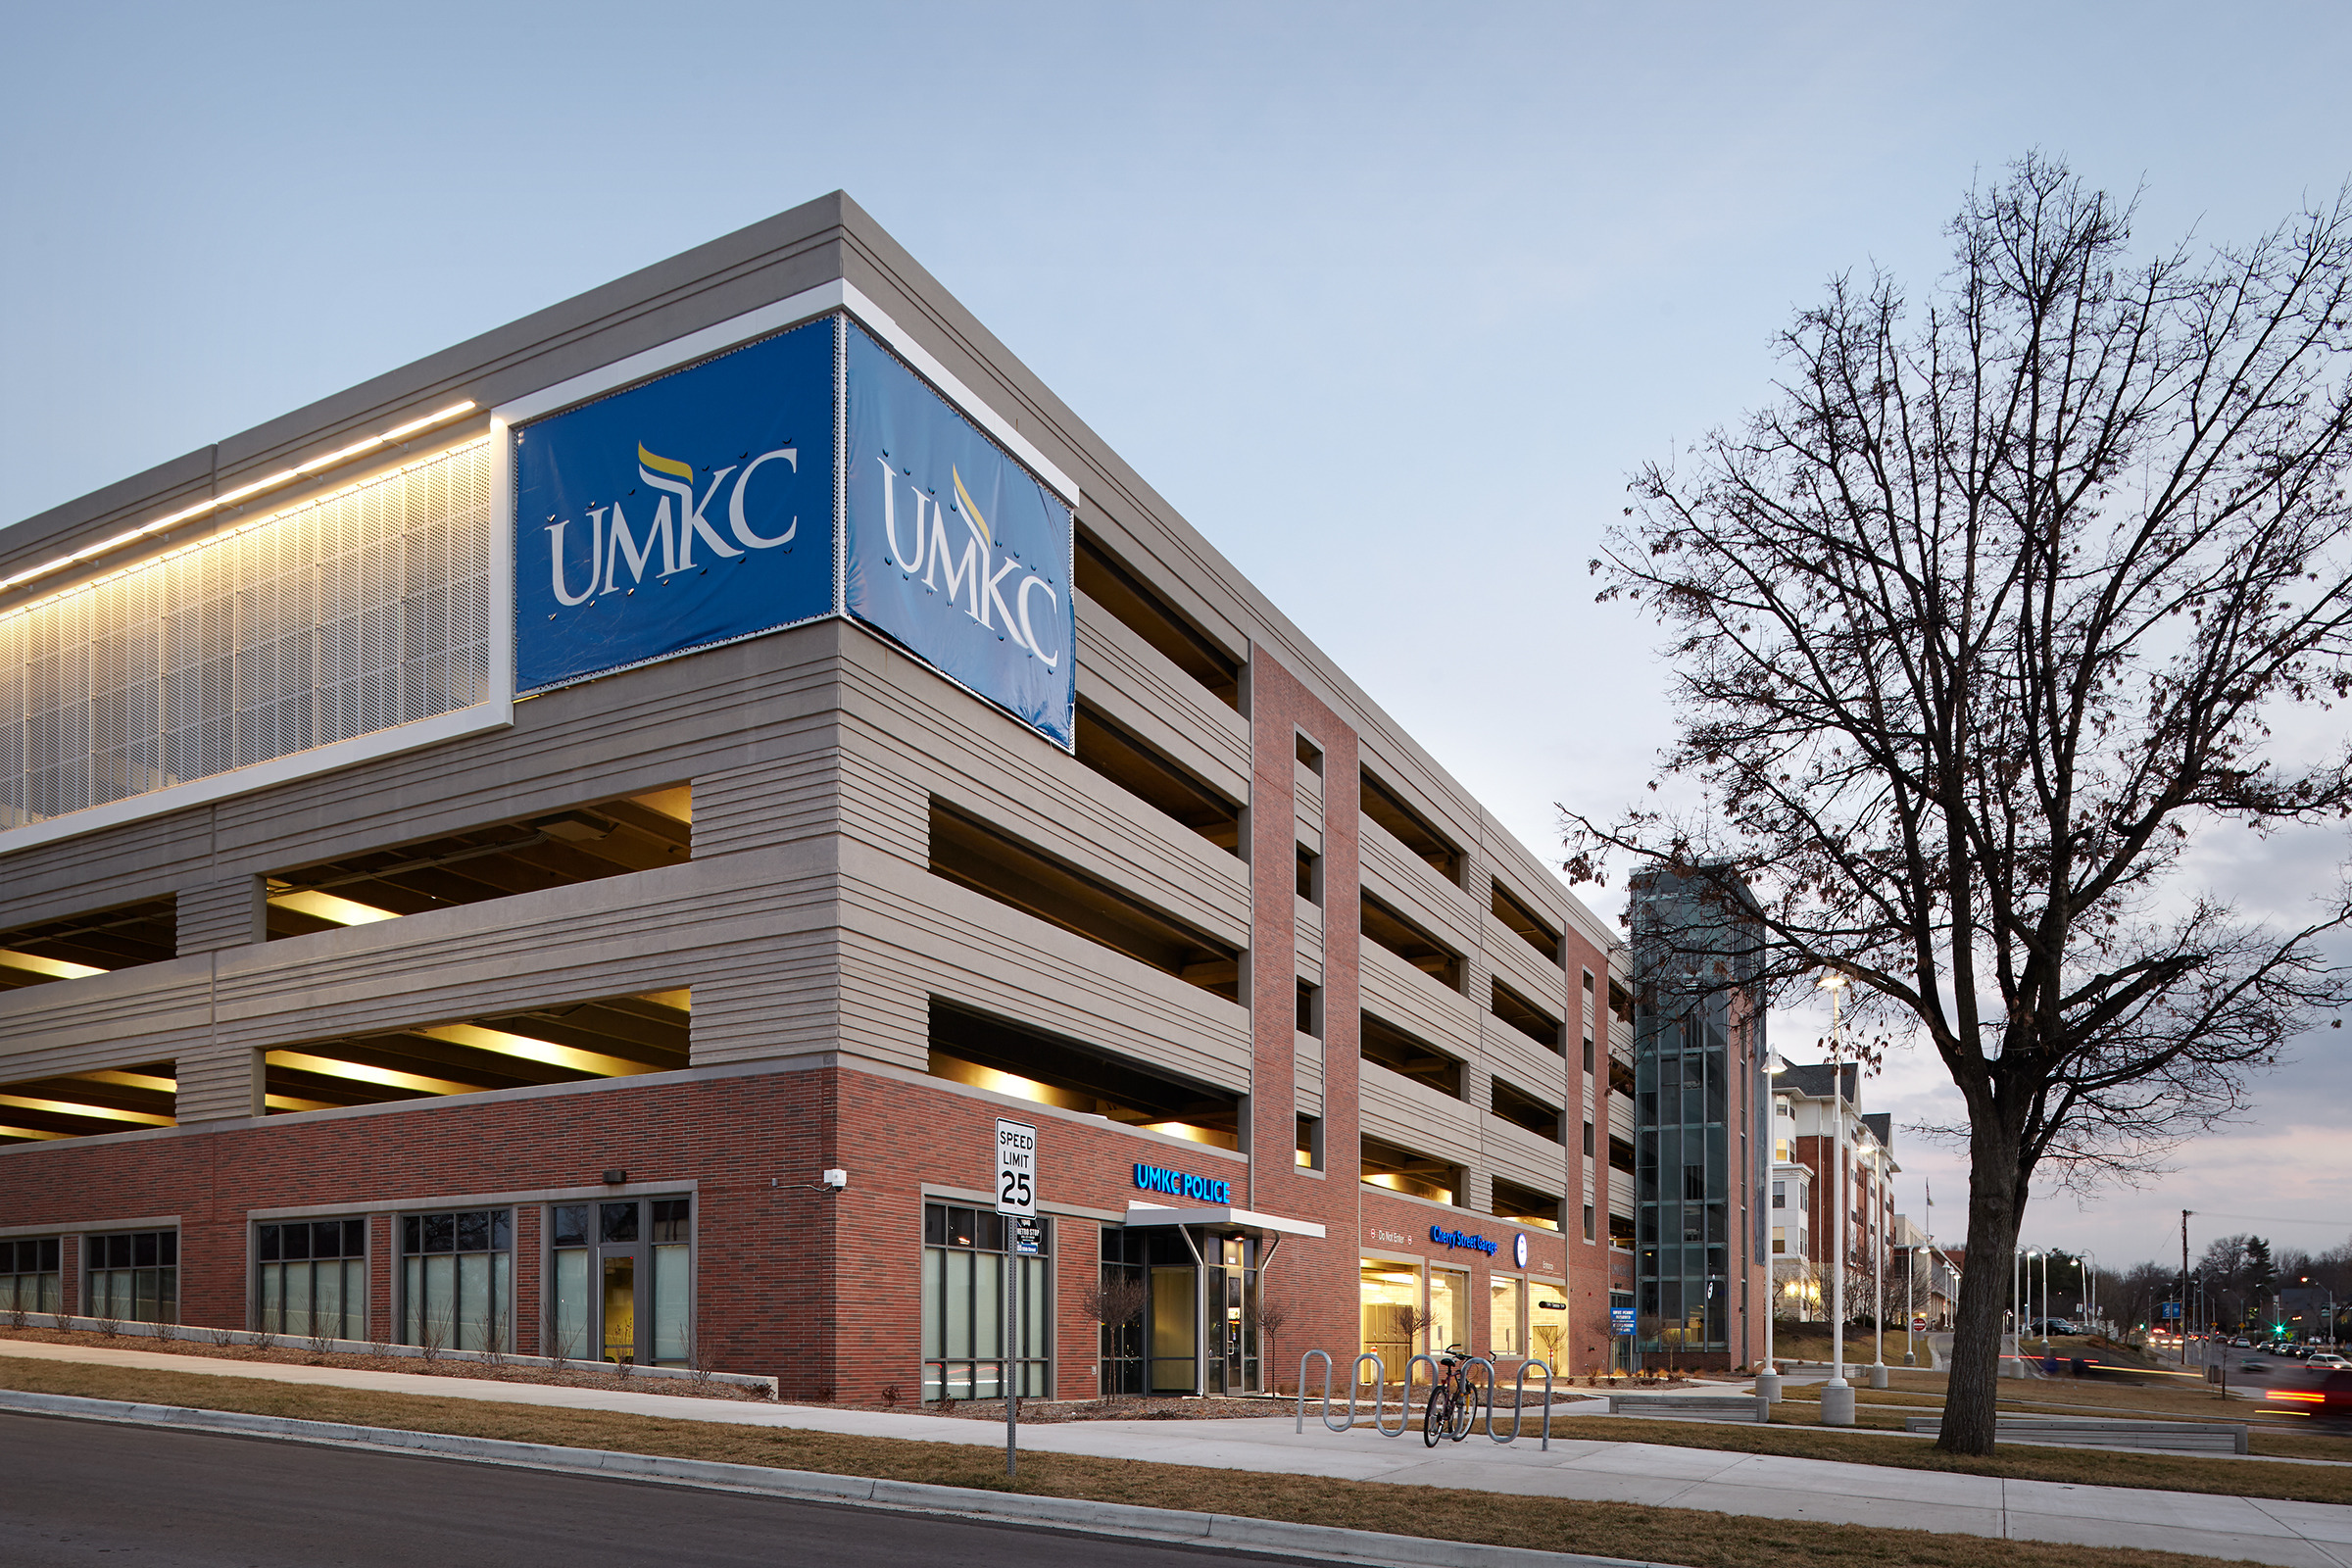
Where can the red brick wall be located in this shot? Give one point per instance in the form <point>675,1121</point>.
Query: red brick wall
<point>1316,1279</point>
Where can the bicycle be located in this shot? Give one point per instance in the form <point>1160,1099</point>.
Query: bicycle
<point>1450,1409</point>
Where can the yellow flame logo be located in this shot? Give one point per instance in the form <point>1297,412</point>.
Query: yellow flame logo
<point>664,465</point>
<point>965,496</point>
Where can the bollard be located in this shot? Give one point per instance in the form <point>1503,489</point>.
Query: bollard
<point>1836,1406</point>
<point>1878,1376</point>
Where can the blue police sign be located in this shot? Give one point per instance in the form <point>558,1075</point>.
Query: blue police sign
<point>1621,1320</point>
<point>953,549</point>
<point>687,511</point>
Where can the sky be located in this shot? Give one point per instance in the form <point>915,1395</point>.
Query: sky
<point>1387,301</point>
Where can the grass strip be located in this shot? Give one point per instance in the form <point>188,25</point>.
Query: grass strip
<point>1694,1537</point>
<point>2272,1432</point>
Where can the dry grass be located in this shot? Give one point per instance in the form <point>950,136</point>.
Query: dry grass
<point>2278,1434</point>
<point>1683,1536</point>
<point>296,1353</point>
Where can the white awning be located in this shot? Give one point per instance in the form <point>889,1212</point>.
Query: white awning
<point>1223,1217</point>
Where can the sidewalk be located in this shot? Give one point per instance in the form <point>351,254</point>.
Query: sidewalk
<point>2298,1534</point>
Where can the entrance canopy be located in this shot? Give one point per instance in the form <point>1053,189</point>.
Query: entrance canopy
<point>1221,1217</point>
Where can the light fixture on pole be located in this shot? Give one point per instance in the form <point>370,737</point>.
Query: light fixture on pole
<point>1837,1394</point>
<point>1876,1232</point>
<point>2045,1305</point>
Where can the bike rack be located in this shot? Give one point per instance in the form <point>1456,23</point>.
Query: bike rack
<point>1299,1425</point>
<point>1379,1379</point>
<point>1519,1405</point>
<point>1404,1420</point>
<point>1405,1414</point>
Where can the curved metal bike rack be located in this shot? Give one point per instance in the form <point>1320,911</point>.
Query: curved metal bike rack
<point>1380,1391</point>
<point>1405,1417</point>
<point>1347,1424</point>
<point>1489,1387</point>
<point>1519,1405</point>
<point>1301,1424</point>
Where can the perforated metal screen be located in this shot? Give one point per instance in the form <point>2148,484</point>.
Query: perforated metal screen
<point>353,613</point>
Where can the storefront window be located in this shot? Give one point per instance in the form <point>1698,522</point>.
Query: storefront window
<point>30,1280</point>
<point>1391,1297</point>
<point>1548,1325</point>
<point>457,1279</point>
<point>1502,1316</point>
<point>134,1277</point>
<point>964,1342</point>
<point>1448,1308</point>
<point>313,1278</point>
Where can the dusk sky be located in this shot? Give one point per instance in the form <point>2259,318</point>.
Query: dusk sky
<point>1386,301</point>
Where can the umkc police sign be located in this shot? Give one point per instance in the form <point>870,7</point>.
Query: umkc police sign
<point>703,507</point>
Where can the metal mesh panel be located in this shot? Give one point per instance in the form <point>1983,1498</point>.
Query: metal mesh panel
<point>350,614</point>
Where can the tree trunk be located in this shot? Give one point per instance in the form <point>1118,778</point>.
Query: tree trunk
<point>1972,1386</point>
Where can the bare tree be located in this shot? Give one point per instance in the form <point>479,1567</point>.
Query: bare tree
<point>1974,628</point>
<point>1273,1317</point>
<point>1114,1301</point>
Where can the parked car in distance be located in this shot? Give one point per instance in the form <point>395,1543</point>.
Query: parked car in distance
<point>2243,1342</point>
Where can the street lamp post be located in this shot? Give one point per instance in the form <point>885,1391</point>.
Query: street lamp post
<point>1837,1394</point>
<point>1876,1232</point>
<point>2045,1305</point>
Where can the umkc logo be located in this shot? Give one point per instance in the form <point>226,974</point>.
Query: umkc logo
<point>678,521</point>
<point>974,580</point>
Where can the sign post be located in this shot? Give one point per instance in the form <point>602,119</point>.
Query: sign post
<point>1016,1203</point>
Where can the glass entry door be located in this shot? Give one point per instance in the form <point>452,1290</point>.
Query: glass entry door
<point>623,1281</point>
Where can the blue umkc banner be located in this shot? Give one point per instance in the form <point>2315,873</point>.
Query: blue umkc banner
<point>690,510</point>
<point>953,549</point>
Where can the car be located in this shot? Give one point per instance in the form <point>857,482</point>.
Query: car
<point>2242,1342</point>
<point>2328,1360</point>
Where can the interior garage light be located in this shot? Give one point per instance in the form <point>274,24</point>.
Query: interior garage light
<point>30,1132</point>
<point>359,1072</point>
<point>529,1049</point>
<point>67,1107</point>
<point>327,906</point>
<point>55,968</point>
<point>398,433</point>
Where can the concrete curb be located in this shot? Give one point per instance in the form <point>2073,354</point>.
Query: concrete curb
<point>1322,1542</point>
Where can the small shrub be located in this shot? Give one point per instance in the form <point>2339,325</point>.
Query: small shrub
<point>223,1337</point>
<point>891,1393</point>
<point>108,1327</point>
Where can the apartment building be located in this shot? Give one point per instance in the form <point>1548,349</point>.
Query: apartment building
<point>584,844</point>
<point>1810,1116</point>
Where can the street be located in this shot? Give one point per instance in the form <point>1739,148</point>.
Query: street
<point>79,1494</point>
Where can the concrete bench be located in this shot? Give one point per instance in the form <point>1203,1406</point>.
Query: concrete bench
<point>1695,1407</point>
<point>2098,1432</point>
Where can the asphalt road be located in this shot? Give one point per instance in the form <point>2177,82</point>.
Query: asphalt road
<point>75,1494</point>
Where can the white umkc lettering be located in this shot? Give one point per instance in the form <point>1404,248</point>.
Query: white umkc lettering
<point>678,521</point>
<point>974,576</point>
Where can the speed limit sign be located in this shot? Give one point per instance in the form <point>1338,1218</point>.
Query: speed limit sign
<point>1016,1169</point>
